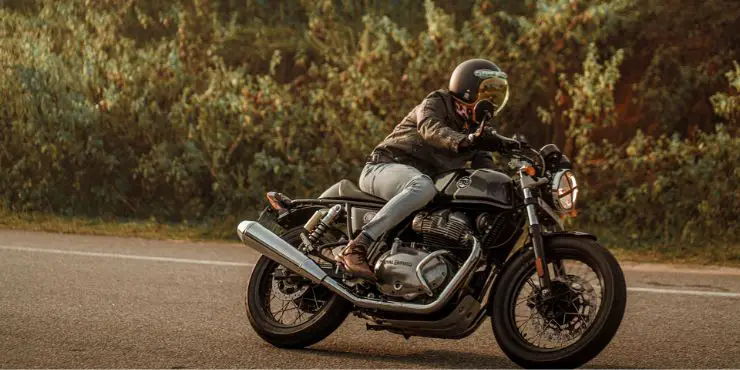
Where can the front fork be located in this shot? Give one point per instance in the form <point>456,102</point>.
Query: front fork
<point>538,245</point>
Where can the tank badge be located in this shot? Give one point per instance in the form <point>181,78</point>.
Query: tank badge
<point>464,182</point>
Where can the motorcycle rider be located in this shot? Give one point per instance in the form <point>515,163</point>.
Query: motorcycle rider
<point>439,134</point>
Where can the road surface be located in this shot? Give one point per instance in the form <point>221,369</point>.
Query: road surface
<point>69,301</point>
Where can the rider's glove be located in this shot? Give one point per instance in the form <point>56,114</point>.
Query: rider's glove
<point>469,142</point>
<point>490,140</point>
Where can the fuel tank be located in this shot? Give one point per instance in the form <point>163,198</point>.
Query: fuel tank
<point>480,185</point>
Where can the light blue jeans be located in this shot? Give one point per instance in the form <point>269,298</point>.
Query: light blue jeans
<point>404,187</point>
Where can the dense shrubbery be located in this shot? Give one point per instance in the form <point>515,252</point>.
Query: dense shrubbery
<point>192,109</point>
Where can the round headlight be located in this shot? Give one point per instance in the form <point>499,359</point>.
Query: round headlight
<point>564,190</point>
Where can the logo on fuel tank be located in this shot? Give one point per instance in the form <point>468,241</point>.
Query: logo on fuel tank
<point>464,182</point>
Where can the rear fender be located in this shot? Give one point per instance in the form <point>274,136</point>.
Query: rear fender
<point>294,217</point>
<point>297,216</point>
<point>284,220</point>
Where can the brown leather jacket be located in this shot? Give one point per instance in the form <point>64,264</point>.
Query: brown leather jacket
<point>428,138</point>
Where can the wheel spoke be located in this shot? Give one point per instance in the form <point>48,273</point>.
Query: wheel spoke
<point>531,284</point>
<point>522,300</point>
<point>544,329</point>
<point>282,311</point>
<point>580,316</point>
<point>298,315</point>
<point>528,320</point>
<point>287,301</point>
<point>291,309</point>
<point>562,318</point>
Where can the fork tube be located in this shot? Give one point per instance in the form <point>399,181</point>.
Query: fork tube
<point>539,248</point>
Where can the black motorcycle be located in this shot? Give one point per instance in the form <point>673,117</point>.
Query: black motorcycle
<point>488,245</point>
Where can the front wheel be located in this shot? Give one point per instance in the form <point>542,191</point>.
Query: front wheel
<point>288,311</point>
<point>575,321</point>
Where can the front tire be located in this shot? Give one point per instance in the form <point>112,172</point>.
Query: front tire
<point>327,310</point>
<point>593,334</point>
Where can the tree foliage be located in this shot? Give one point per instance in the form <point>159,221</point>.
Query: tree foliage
<point>192,109</point>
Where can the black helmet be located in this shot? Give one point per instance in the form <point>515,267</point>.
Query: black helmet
<point>479,79</point>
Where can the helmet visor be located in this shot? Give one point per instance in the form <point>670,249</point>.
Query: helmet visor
<point>496,90</point>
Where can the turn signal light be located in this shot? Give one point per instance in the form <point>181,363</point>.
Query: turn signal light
<point>529,170</point>
<point>572,213</point>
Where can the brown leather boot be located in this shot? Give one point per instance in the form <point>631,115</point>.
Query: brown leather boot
<point>354,258</point>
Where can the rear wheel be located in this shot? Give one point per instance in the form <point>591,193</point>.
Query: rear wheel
<point>572,324</point>
<point>287,310</point>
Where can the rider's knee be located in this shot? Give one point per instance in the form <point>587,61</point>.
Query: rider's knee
<point>424,187</point>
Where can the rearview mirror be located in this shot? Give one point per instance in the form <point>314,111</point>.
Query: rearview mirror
<point>483,111</point>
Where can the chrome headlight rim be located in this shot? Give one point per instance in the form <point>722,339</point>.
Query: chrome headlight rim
<point>564,193</point>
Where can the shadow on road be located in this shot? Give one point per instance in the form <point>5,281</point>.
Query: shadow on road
<point>436,359</point>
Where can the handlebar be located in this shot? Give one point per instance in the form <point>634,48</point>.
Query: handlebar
<point>520,154</point>
<point>484,109</point>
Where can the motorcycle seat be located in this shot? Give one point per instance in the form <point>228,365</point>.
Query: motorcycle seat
<point>346,189</point>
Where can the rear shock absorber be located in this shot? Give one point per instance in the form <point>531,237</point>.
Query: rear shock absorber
<point>318,227</point>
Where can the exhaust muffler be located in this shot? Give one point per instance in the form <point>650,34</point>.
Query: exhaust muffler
<point>275,248</point>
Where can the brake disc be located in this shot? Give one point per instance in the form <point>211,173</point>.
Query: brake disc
<point>573,309</point>
<point>288,291</point>
<point>285,287</point>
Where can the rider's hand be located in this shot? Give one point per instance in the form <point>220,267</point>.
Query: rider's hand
<point>490,140</point>
<point>469,142</point>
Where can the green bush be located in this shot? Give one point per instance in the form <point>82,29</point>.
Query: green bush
<point>192,109</point>
<point>667,190</point>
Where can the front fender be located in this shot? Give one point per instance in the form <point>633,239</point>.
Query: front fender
<point>579,234</point>
<point>525,243</point>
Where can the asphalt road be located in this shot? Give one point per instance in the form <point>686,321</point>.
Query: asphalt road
<point>71,301</point>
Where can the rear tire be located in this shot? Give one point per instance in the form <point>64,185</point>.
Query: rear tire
<point>601,329</point>
<point>319,326</point>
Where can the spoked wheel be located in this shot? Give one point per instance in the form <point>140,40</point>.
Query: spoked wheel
<point>287,310</point>
<point>563,316</point>
<point>573,322</point>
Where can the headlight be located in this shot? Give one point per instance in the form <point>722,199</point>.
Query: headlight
<point>564,191</point>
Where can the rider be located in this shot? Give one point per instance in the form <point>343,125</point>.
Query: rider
<point>437,135</point>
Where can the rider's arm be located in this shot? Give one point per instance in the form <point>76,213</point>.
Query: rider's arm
<point>430,122</point>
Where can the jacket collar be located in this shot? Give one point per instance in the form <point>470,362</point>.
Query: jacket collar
<point>454,120</point>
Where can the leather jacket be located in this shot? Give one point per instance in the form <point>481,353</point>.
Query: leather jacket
<point>429,138</point>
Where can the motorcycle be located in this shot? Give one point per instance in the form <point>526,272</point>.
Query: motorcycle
<point>489,245</point>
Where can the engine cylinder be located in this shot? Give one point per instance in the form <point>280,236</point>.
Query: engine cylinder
<point>442,228</point>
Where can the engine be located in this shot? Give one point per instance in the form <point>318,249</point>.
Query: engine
<point>410,270</point>
<point>442,229</point>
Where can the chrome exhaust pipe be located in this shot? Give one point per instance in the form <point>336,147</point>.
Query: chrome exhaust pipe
<point>275,248</point>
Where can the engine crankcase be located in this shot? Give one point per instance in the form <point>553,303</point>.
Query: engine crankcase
<point>397,277</point>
